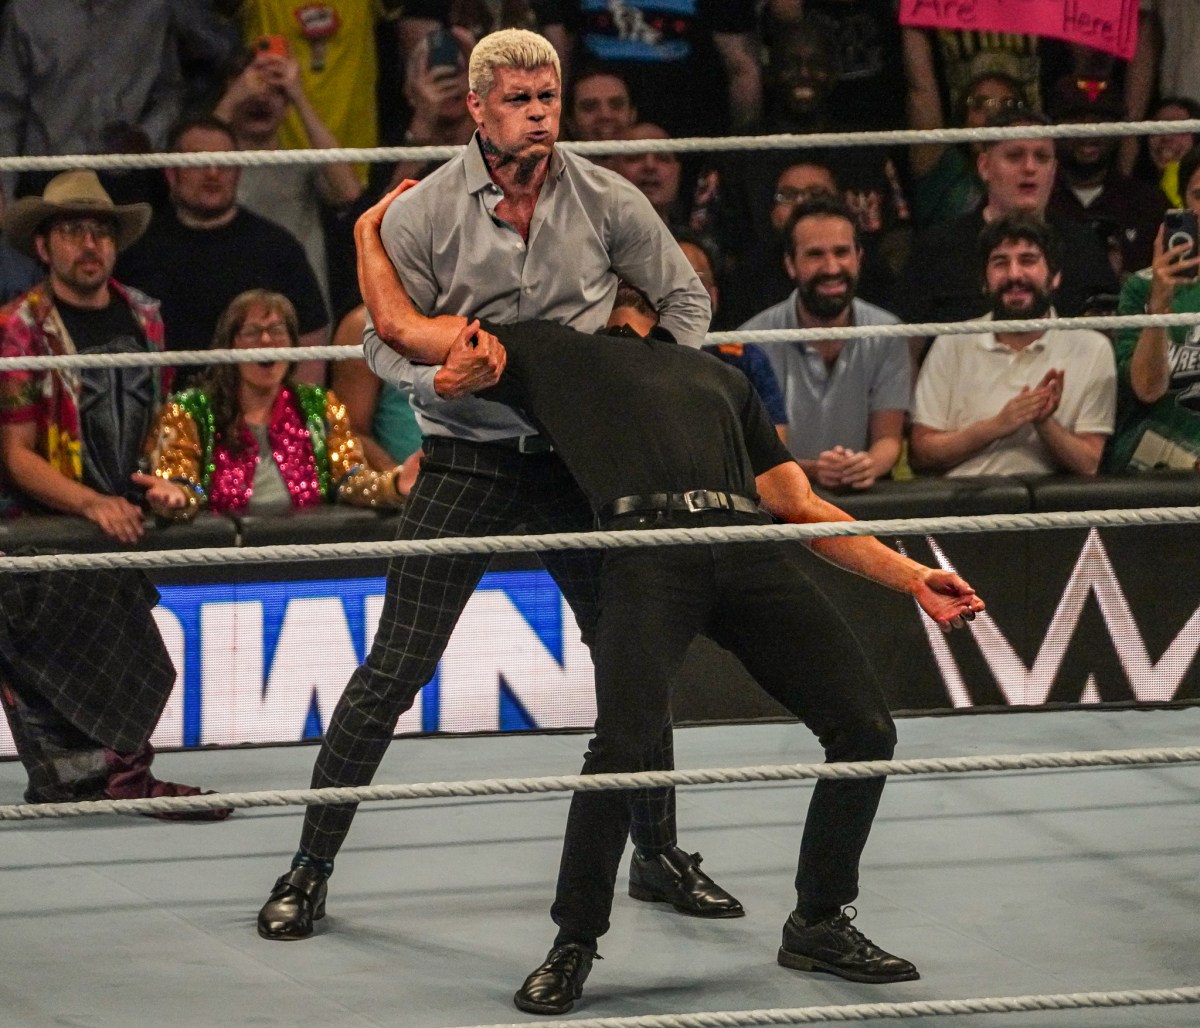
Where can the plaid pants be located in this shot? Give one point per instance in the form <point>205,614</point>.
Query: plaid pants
<point>464,489</point>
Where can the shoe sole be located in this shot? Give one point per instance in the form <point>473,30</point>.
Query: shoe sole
<point>797,962</point>
<point>291,937</point>
<point>637,892</point>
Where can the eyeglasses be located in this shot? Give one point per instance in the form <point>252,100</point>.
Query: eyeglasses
<point>995,104</point>
<point>77,231</point>
<point>278,333</point>
<point>787,197</point>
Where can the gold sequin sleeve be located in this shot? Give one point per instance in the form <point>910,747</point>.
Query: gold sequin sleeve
<point>174,452</point>
<point>357,483</point>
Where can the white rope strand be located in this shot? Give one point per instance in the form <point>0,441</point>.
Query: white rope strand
<point>690,144</point>
<point>595,783</point>
<point>891,1011</point>
<point>606,540</point>
<point>256,355</point>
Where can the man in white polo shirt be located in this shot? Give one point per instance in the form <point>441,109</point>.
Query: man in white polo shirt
<point>1016,403</point>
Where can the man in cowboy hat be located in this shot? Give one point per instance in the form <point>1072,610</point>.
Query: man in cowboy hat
<point>83,703</point>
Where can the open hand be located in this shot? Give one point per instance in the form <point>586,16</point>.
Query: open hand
<point>948,599</point>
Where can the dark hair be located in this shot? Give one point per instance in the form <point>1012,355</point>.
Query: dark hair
<point>1016,116</point>
<point>220,381</point>
<point>820,205</point>
<point>1021,228</point>
<point>701,242</point>
<point>1189,163</point>
<point>631,296</point>
<point>209,122</point>
<point>592,70</point>
<point>1186,102</point>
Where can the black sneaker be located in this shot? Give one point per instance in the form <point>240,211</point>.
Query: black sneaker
<point>674,877</point>
<point>836,946</point>
<point>554,987</point>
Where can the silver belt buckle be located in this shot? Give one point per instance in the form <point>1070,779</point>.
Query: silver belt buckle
<point>694,499</point>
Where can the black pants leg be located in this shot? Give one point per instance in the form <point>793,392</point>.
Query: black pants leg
<point>653,603</point>
<point>800,649</point>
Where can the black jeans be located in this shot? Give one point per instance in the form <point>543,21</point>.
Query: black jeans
<point>464,489</point>
<point>754,600</point>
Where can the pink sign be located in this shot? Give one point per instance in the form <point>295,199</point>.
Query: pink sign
<point>1109,25</point>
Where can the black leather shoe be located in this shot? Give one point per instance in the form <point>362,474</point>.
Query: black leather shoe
<point>296,901</point>
<point>674,877</point>
<point>554,987</point>
<point>836,946</point>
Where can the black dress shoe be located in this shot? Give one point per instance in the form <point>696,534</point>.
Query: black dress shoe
<point>836,946</point>
<point>674,877</point>
<point>554,987</point>
<point>296,901</point>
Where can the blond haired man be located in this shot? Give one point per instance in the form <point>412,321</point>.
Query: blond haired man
<point>512,228</point>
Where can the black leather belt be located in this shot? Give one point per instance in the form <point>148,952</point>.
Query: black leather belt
<point>525,444</point>
<point>689,502</point>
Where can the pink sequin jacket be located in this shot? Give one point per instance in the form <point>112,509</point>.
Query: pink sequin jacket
<point>319,457</point>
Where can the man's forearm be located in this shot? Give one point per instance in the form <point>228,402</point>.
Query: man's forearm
<point>942,450</point>
<point>1077,453</point>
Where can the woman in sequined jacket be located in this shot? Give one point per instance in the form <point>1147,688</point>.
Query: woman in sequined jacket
<point>250,438</point>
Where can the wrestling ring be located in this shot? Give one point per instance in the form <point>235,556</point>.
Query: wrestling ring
<point>1032,884</point>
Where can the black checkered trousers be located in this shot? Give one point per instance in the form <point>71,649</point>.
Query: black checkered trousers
<point>463,489</point>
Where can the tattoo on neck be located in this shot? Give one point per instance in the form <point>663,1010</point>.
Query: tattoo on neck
<point>492,155</point>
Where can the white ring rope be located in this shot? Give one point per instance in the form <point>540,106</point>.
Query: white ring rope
<point>690,144</point>
<point>601,540</point>
<point>595,783</point>
<point>891,1011</point>
<point>261,354</point>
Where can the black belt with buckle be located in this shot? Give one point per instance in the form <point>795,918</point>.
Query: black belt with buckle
<point>525,444</point>
<point>690,502</point>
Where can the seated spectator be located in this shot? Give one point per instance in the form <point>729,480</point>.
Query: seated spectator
<point>657,175</point>
<point>380,414</point>
<point>1158,418</point>
<point>944,179</point>
<point>254,105</point>
<point>761,279</point>
<point>209,443</point>
<point>845,399</point>
<point>600,105</point>
<point>708,49</point>
<point>1166,151</point>
<point>1089,187</point>
<point>205,249</point>
<point>84,674</point>
<point>1029,403</point>
<point>749,359</point>
<point>941,282</point>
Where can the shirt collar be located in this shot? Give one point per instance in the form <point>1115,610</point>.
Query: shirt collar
<point>988,340</point>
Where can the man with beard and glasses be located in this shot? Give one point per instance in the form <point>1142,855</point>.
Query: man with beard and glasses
<point>846,398</point>
<point>1023,403</point>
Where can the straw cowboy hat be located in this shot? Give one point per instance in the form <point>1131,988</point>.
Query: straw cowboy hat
<point>72,194</point>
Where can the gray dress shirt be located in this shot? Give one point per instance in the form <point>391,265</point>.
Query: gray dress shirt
<point>455,256</point>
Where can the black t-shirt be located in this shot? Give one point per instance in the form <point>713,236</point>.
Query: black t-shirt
<point>631,416</point>
<point>196,272</point>
<point>115,404</point>
<point>944,278</point>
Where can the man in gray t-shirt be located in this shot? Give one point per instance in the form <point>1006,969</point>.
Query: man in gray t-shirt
<point>511,229</point>
<point>846,399</point>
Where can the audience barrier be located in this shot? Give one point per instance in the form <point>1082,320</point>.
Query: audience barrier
<point>1076,618</point>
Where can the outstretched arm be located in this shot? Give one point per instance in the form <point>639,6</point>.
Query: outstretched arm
<point>950,601</point>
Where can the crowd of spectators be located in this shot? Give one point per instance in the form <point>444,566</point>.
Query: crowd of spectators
<point>783,238</point>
